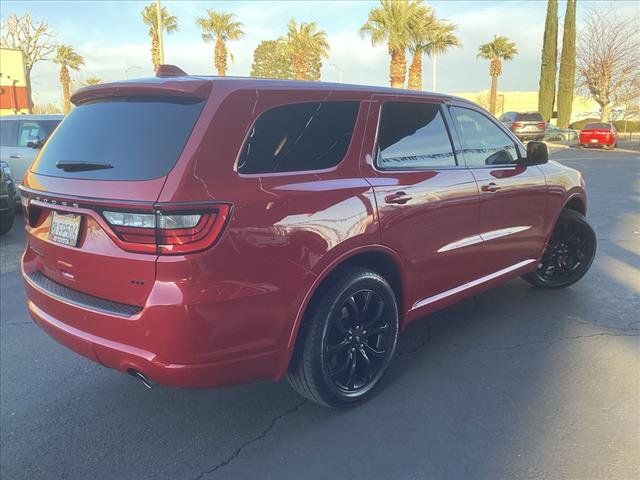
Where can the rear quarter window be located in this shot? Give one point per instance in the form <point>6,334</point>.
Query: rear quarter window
<point>141,138</point>
<point>299,137</point>
<point>8,133</point>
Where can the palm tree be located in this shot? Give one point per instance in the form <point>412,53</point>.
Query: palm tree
<point>306,46</point>
<point>501,48</point>
<point>391,23</point>
<point>443,40</point>
<point>91,81</point>
<point>431,36</point>
<point>67,58</point>
<point>169,24</point>
<point>221,27</point>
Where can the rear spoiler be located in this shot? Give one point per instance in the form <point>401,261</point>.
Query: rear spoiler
<point>171,81</point>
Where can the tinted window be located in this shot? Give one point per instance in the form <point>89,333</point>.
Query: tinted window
<point>413,135</point>
<point>141,138</point>
<point>484,142</point>
<point>8,133</point>
<point>301,136</point>
<point>529,117</point>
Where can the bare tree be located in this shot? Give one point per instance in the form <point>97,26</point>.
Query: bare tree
<point>608,59</point>
<point>34,38</point>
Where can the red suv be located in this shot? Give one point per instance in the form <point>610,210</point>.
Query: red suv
<point>204,231</point>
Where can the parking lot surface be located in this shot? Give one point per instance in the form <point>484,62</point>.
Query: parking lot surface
<point>514,383</point>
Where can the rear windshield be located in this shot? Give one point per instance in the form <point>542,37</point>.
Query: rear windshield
<point>139,138</point>
<point>597,126</point>
<point>529,117</point>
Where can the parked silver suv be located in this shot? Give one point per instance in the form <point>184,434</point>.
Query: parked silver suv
<point>21,136</point>
<point>525,125</point>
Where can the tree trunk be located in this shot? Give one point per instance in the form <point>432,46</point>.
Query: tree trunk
<point>220,57</point>
<point>155,51</point>
<point>567,75</point>
<point>605,111</point>
<point>415,72</point>
<point>549,62</point>
<point>493,96</point>
<point>65,81</point>
<point>397,68</point>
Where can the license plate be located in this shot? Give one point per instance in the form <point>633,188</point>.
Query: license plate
<point>594,140</point>
<point>65,228</point>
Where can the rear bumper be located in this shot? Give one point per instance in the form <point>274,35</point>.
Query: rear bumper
<point>536,137</point>
<point>129,344</point>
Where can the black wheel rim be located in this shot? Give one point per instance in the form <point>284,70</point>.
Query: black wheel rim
<point>358,342</point>
<point>568,254</point>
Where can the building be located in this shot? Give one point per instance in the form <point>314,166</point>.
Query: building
<point>15,94</point>
<point>583,107</point>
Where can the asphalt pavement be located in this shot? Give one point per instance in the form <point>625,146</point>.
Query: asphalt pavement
<point>516,383</point>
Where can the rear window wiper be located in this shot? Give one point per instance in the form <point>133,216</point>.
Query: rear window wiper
<point>82,166</point>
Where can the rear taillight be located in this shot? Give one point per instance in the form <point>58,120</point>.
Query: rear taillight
<point>540,125</point>
<point>515,125</point>
<point>168,232</point>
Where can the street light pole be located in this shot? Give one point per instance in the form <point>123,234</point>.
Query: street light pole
<point>339,71</point>
<point>159,25</point>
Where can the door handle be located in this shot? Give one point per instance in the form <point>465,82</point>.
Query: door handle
<point>14,156</point>
<point>399,198</point>
<point>492,187</point>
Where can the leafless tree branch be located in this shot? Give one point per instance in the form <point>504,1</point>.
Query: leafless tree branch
<point>34,38</point>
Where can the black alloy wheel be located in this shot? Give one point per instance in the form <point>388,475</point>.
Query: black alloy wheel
<point>348,338</point>
<point>569,253</point>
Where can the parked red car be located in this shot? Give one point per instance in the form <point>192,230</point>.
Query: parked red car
<point>205,231</point>
<point>599,135</point>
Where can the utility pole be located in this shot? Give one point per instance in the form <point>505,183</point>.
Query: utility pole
<point>159,24</point>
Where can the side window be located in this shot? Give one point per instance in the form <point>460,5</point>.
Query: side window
<point>413,136</point>
<point>30,132</point>
<point>301,136</point>
<point>8,133</point>
<point>484,143</point>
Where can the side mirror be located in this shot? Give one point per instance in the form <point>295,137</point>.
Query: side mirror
<point>537,153</point>
<point>35,144</point>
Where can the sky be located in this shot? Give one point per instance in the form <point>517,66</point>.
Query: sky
<point>115,43</point>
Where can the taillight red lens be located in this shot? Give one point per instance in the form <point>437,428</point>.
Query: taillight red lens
<point>540,125</point>
<point>168,232</point>
<point>515,125</point>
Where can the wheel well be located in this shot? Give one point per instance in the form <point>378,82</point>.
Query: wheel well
<point>576,204</point>
<point>379,262</point>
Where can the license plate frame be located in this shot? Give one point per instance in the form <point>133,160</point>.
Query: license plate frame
<point>65,228</point>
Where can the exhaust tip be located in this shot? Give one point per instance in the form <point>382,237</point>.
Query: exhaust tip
<point>140,376</point>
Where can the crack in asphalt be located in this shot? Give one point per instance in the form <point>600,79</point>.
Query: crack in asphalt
<point>251,441</point>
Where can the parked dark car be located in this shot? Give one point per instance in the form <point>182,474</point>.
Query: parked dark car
<point>526,126</point>
<point>205,231</point>
<point>7,198</point>
<point>600,134</point>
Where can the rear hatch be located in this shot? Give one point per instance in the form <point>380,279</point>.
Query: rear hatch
<point>90,196</point>
<point>531,122</point>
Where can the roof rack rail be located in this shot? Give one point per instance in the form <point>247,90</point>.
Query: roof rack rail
<point>170,71</point>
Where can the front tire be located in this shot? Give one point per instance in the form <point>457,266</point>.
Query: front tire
<point>569,253</point>
<point>347,340</point>
<point>6,221</point>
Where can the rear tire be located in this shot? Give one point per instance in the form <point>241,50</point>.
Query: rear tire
<point>347,340</point>
<point>569,253</point>
<point>6,221</point>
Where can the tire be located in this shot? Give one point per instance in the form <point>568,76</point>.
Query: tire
<point>568,255</point>
<point>336,363</point>
<point>6,221</point>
